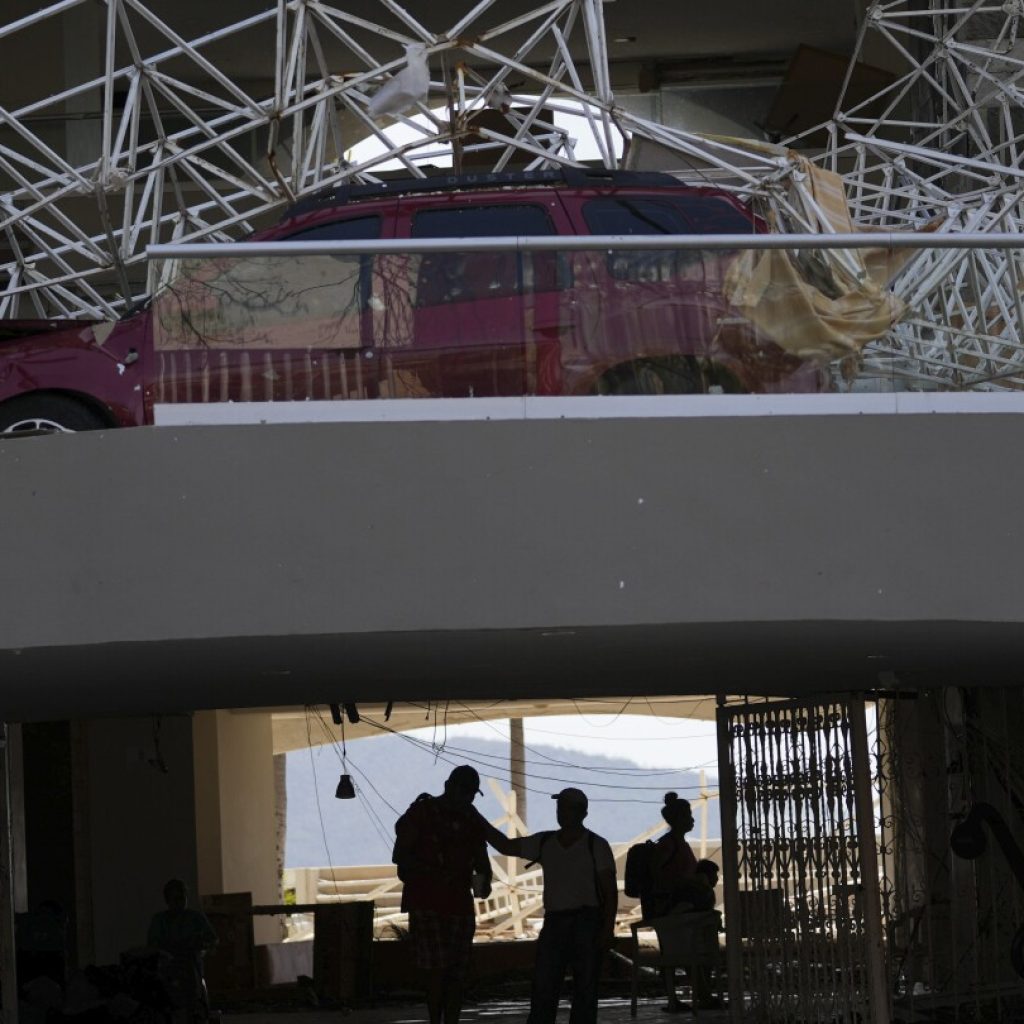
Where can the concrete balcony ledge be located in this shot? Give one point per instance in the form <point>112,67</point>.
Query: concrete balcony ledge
<point>864,403</point>
<point>282,563</point>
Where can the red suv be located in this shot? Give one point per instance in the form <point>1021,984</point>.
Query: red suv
<point>450,324</point>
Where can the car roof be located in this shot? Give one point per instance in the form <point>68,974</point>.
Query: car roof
<point>341,195</point>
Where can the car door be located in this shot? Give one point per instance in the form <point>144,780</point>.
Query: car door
<point>340,327</point>
<point>474,316</point>
<point>271,328</point>
<point>636,306</point>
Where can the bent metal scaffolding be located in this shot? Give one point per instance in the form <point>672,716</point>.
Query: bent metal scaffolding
<point>155,138</point>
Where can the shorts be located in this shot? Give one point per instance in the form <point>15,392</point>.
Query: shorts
<point>441,941</point>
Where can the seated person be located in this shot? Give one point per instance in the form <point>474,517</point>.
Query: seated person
<point>676,884</point>
<point>681,885</point>
<point>184,935</point>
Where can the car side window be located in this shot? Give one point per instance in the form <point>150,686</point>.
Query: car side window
<point>465,277</point>
<point>355,229</point>
<point>482,221</point>
<point>638,215</point>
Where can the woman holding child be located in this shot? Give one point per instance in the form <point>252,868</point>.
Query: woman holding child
<point>681,884</point>
<point>680,881</point>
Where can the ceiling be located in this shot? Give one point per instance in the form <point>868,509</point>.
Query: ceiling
<point>638,31</point>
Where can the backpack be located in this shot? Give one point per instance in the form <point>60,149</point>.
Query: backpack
<point>399,853</point>
<point>428,854</point>
<point>640,869</point>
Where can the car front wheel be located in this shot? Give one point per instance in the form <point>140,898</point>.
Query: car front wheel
<point>670,375</point>
<point>56,413</point>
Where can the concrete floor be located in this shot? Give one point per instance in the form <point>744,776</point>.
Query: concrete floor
<point>611,1011</point>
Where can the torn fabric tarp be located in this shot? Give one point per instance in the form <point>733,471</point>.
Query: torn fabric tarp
<point>815,304</point>
<point>818,305</point>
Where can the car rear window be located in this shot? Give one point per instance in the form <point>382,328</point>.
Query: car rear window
<point>673,215</point>
<point>638,216</point>
<point>714,215</point>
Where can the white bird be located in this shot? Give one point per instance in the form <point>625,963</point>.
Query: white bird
<point>499,98</point>
<point>405,89</point>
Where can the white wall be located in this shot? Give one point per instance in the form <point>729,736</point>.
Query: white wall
<point>235,830</point>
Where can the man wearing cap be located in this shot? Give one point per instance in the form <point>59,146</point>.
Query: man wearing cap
<point>440,851</point>
<point>580,901</point>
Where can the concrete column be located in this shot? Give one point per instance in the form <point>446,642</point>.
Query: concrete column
<point>8,973</point>
<point>235,809</point>
<point>921,836</point>
<point>48,793</point>
<point>206,772</point>
<point>963,887</point>
<point>280,819</point>
<point>16,779</point>
<point>993,719</point>
<point>81,842</point>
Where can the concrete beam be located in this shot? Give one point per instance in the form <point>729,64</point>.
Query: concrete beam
<point>241,566</point>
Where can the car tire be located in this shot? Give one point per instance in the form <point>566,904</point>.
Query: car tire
<point>651,377</point>
<point>672,375</point>
<point>57,413</point>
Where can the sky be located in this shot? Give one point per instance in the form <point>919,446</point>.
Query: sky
<point>399,135</point>
<point>651,742</point>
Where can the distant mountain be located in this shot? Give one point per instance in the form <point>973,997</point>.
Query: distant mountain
<point>392,770</point>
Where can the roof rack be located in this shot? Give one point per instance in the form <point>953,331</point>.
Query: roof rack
<point>338,195</point>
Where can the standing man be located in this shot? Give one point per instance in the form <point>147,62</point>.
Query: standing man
<point>441,852</point>
<point>580,902</point>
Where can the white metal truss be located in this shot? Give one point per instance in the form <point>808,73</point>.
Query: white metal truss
<point>182,146</point>
<point>185,151</point>
<point>942,145</point>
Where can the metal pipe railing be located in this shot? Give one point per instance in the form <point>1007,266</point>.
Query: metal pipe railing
<point>589,243</point>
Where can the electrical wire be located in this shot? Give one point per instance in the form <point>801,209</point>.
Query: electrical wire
<point>626,772</point>
<point>505,776</point>
<point>569,764</point>
<point>605,739</point>
<point>666,721</point>
<point>374,818</point>
<point>684,701</point>
<point>603,725</point>
<point>316,794</point>
<point>484,760</point>
<point>357,769</point>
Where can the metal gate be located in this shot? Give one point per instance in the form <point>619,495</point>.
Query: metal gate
<point>800,868</point>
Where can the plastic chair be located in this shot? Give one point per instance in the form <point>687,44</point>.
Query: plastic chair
<point>688,940</point>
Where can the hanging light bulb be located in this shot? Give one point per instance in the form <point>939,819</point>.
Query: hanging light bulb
<point>345,790</point>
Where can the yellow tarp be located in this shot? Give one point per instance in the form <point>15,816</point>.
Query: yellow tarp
<point>816,305</point>
<point>842,308</point>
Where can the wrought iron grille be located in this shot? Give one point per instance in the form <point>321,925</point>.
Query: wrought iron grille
<point>803,928</point>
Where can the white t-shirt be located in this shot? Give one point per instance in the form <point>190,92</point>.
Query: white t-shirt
<point>570,872</point>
